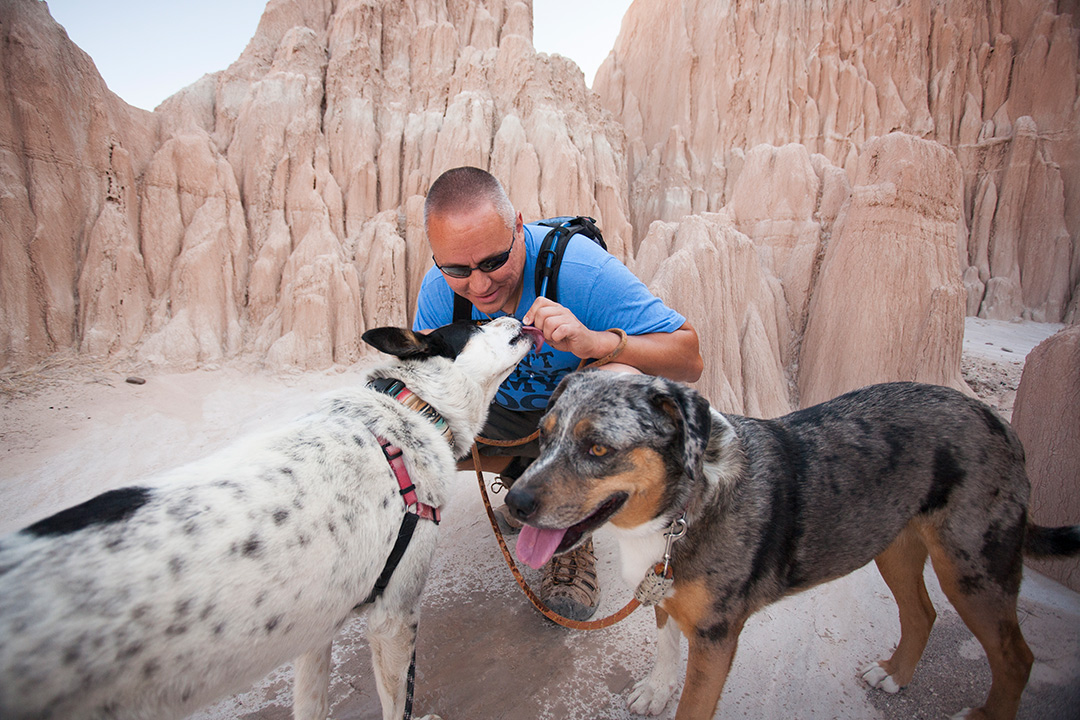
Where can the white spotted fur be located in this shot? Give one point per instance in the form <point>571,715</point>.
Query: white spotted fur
<point>245,560</point>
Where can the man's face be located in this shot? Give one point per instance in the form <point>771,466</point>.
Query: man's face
<point>468,238</point>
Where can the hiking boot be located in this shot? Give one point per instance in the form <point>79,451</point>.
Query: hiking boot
<point>569,585</point>
<point>508,524</point>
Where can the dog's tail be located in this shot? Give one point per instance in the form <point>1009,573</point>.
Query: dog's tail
<point>1046,542</point>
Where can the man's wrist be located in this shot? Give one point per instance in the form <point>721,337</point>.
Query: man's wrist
<point>613,350</point>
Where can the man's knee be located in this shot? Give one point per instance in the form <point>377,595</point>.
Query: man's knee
<point>619,367</point>
<point>488,463</point>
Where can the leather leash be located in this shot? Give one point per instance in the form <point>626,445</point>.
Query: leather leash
<point>533,598</point>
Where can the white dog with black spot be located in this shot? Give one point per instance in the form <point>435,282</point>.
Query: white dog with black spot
<point>154,600</point>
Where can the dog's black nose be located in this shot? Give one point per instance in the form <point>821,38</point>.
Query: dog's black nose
<point>522,503</point>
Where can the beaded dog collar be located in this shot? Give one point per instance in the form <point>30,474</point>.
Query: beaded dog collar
<point>397,390</point>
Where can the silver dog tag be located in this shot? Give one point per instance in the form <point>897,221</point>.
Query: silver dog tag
<point>653,588</point>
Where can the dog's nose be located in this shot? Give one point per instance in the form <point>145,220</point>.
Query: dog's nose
<point>522,503</point>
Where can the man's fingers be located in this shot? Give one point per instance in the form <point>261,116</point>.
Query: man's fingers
<point>540,310</point>
<point>531,313</point>
<point>560,326</point>
<point>560,333</point>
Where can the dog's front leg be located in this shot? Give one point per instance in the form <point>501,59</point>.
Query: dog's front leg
<point>651,695</point>
<point>706,672</point>
<point>392,635</point>
<point>311,684</point>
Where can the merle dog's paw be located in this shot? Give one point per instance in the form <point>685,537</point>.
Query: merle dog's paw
<point>878,677</point>
<point>651,695</point>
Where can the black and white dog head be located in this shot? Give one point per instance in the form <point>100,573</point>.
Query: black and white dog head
<point>456,368</point>
<point>619,448</point>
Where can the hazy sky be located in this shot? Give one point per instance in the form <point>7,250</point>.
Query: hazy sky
<point>148,49</point>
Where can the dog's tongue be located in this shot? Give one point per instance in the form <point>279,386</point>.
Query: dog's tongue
<point>535,546</point>
<point>537,337</point>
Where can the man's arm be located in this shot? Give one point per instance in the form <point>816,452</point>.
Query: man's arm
<point>674,355</point>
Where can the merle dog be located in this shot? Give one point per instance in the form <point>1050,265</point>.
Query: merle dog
<point>891,473</point>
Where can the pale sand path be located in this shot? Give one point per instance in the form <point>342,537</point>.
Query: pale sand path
<point>72,430</point>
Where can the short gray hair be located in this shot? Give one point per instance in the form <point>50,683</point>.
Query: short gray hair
<point>467,187</point>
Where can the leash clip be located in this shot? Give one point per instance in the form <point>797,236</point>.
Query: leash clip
<point>675,532</point>
<point>659,581</point>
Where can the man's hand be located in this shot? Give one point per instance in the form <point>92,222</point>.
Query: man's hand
<point>563,331</point>
<point>674,355</point>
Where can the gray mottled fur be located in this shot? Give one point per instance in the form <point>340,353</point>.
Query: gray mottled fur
<point>776,506</point>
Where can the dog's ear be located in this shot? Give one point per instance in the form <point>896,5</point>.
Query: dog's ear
<point>693,420</point>
<point>570,379</point>
<point>399,342</point>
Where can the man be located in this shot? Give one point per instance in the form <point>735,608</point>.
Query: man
<point>486,254</point>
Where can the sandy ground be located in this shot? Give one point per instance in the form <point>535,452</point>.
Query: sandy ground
<point>993,359</point>
<point>70,430</point>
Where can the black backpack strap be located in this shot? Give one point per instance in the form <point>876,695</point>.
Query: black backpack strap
<point>553,247</point>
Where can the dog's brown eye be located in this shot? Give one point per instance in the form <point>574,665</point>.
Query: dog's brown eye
<point>598,451</point>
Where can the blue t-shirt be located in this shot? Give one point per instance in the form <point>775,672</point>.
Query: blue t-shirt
<point>593,284</point>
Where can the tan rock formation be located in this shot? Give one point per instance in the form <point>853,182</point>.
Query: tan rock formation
<point>696,81</point>
<point>889,304</point>
<point>248,213</point>
<point>802,288</point>
<point>194,243</point>
<point>274,209</point>
<point>716,277</point>
<point>113,285</point>
<point>70,155</point>
<point>774,201</point>
<point>1046,416</point>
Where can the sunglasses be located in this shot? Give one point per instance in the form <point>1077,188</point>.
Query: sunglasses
<point>487,265</point>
